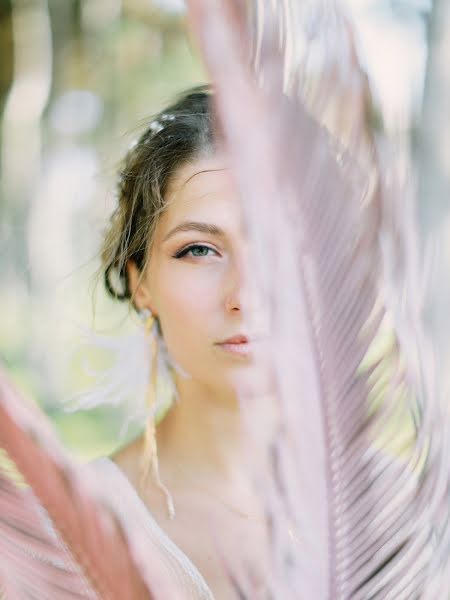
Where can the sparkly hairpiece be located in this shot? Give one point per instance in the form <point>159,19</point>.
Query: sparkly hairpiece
<point>158,124</point>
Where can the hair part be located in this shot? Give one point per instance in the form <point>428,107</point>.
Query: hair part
<point>183,131</point>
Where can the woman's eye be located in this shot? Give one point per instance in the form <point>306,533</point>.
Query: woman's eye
<point>196,250</point>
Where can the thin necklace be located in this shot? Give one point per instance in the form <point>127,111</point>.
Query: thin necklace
<point>237,511</point>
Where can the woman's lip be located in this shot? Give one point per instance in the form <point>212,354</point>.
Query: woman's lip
<point>240,349</point>
<point>236,339</point>
<point>240,345</point>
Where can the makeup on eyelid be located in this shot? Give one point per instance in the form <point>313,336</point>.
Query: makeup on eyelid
<point>184,251</point>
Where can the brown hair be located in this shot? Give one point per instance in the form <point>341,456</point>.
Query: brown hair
<point>182,131</point>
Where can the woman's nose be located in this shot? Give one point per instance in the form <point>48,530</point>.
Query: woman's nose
<point>243,293</point>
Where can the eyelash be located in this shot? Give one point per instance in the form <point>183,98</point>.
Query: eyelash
<point>184,251</point>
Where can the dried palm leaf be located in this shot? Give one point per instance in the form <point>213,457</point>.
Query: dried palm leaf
<point>71,543</point>
<point>352,517</point>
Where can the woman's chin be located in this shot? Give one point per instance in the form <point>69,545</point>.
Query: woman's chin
<point>254,381</point>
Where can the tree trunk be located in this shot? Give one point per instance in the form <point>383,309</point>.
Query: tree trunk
<point>6,55</point>
<point>434,138</point>
<point>433,154</point>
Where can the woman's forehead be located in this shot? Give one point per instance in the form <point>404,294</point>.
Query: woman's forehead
<point>204,174</point>
<point>204,188</point>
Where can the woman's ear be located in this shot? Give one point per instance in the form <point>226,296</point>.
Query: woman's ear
<point>138,285</point>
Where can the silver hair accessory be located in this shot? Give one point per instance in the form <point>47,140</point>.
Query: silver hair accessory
<point>158,124</point>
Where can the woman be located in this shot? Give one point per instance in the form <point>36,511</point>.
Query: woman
<point>178,251</point>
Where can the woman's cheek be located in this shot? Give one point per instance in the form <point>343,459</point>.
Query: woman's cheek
<point>184,321</point>
<point>189,294</point>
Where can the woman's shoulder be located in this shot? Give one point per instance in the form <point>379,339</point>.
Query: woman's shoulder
<point>125,458</point>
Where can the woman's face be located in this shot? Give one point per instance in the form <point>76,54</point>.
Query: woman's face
<point>198,281</point>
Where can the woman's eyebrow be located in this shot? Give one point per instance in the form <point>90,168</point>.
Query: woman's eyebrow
<point>195,226</point>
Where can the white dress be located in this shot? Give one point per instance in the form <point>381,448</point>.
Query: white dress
<point>128,504</point>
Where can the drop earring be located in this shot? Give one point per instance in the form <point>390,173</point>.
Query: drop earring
<point>149,465</point>
<point>146,317</point>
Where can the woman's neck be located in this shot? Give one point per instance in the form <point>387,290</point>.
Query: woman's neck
<point>208,435</point>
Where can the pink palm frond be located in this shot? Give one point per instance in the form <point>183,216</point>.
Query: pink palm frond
<point>64,536</point>
<point>328,234</point>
